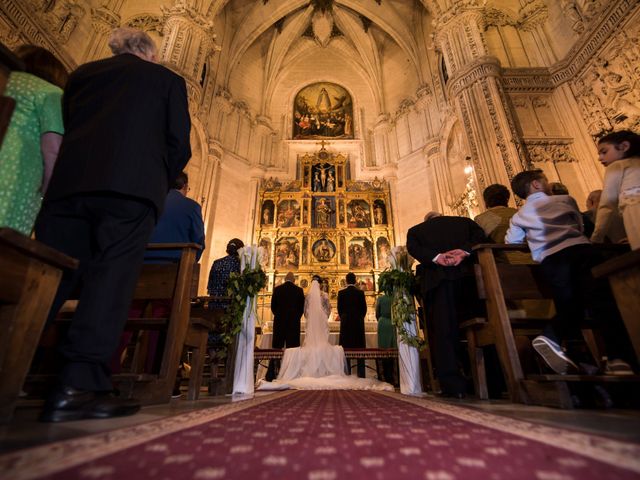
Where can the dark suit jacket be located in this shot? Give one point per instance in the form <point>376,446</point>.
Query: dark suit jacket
<point>439,235</point>
<point>352,308</point>
<point>180,222</point>
<point>126,130</point>
<point>287,305</point>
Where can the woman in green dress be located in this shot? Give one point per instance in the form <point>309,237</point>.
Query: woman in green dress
<point>32,141</point>
<point>386,335</point>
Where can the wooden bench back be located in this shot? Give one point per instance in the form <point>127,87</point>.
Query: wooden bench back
<point>519,282</point>
<point>158,281</point>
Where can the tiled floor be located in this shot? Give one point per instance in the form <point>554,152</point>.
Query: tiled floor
<point>25,431</point>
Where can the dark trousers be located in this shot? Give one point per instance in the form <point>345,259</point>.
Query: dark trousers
<point>107,234</point>
<point>447,304</point>
<point>361,369</point>
<point>284,336</point>
<point>576,294</point>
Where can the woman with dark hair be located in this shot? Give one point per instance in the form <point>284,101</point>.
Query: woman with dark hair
<point>32,141</point>
<point>220,272</point>
<point>620,153</point>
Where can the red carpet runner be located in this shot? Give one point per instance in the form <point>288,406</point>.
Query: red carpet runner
<point>325,435</point>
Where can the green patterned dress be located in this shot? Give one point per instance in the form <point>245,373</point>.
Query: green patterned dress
<point>38,111</point>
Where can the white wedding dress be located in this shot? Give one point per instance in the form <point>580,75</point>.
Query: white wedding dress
<point>317,365</point>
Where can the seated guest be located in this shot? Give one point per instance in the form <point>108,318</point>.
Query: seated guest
<point>620,153</point>
<point>589,215</point>
<point>180,222</point>
<point>442,245</point>
<point>552,226</point>
<point>495,221</point>
<point>33,138</point>
<point>220,272</point>
<point>558,188</point>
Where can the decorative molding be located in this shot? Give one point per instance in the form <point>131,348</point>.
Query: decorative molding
<point>147,23</point>
<point>548,149</point>
<point>475,71</point>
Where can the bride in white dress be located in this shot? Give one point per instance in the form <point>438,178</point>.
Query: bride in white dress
<point>318,365</point>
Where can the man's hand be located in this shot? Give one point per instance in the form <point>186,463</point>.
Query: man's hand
<point>454,257</point>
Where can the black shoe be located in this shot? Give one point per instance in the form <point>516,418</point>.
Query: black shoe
<point>457,395</point>
<point>67,403</point>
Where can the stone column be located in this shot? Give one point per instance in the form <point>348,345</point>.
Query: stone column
<point>103,20</point>
<point>475,88</point>
<point>188,42</point>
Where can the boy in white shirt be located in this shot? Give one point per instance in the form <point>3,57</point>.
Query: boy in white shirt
<point>552,226</point>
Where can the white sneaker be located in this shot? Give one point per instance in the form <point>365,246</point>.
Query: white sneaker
<point>553,355</point>
<point>617,367</point>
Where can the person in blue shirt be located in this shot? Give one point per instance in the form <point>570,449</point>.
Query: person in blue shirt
<point>180,222</point>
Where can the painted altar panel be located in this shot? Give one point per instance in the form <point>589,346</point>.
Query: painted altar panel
<point>322,110</point>
<point>325,223</point>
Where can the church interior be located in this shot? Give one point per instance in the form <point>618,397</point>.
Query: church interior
<point>322,131</point>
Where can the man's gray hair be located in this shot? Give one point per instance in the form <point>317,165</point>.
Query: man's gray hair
<point>131,40</point>
<point>431,215</point>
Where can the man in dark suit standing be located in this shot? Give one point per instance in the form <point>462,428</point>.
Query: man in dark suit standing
<point>126,139</point>
<point>287,306</point>
<point>442,245</point>
<point>352,308</point>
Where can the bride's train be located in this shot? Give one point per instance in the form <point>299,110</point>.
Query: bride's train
<point>318,365</point>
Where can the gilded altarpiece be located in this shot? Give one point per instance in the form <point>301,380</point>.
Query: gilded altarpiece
<point>325,223</point>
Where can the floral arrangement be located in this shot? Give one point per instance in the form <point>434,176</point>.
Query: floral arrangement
<point>398,282</point>
<point>241,287</point>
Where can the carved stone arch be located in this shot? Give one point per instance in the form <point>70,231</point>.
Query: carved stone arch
<point>145,21</point>
<point>199,156</point>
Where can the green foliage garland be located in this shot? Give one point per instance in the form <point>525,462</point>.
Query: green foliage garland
<point>397,284</point>
<point>240,286</point>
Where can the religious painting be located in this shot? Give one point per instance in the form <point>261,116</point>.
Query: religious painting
<point>324,178</point>
<point>324,250</point>
<point>365,283</point>
<point>287,253</point>
<point>379,212</point>
<point>304,283</point>
<point>343,250</point>
<point>322,110</point>
<point>383,249</point>
<point>324,212</point>
<point>305,211</point>
<point>360,253</point>
<point>341,205</point>
<point>288,213</point>
<point>358,214</point>
<point>267,213</point>
<point>305,247</point>
<point>265,244</point>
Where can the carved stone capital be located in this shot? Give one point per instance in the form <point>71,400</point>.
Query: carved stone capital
<point>527,80</point>
<point>181,11</point>
<point>147,23</point>
<point>475,71</point>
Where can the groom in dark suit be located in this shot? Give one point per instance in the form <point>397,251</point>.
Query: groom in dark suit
<point>287,306</point>
<point>126,139</point>
<point>352,308</point>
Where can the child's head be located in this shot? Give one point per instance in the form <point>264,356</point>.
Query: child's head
<point>618,145</point>
<point>528,182</point>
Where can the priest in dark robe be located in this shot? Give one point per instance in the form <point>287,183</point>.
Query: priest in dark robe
<point>287,306</point>
<point>352,308</point>
<point>442,245</point>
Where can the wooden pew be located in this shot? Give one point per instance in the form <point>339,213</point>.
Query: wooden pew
<point>178,283</point>
<point>29,276</point>
<point>499,282</point>
<point>623,273</point>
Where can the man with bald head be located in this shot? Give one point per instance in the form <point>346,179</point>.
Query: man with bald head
<point>287,306</point>
<point>442,245</point>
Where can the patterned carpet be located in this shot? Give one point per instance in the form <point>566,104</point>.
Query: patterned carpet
<point>325,435</point>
